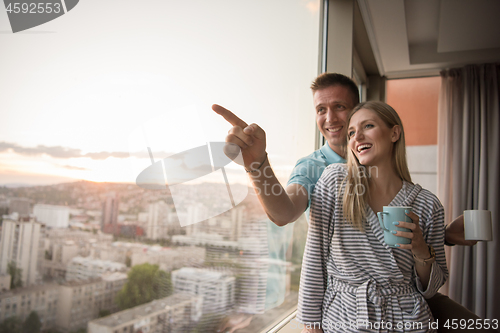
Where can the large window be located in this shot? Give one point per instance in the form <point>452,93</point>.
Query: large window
<point>416,101</point>
<point>93,98</point>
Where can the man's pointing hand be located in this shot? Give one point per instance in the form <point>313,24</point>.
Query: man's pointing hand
<point>251,139</point>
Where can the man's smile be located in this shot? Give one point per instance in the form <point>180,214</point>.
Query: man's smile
<point>334,129</point>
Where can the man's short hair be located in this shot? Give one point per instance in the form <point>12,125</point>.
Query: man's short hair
<point>326,80</point>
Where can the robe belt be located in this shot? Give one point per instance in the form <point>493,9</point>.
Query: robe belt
<point>368,291</point>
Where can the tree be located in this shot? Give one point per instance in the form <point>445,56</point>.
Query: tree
<point>32,324</point>
<point>145,283</point>
<point>104,313</point>
<point>15,275</point>
<point>11,325</point>
<point>163,284</point>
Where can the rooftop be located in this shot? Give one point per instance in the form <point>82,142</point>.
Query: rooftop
<point>115,276</point>
<point>27,290</point>
<point>139,312</point>
<point>201,274</point>
<point>77,283</point>
<point>97,262</point>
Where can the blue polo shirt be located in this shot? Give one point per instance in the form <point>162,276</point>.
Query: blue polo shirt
<point>308,169</point>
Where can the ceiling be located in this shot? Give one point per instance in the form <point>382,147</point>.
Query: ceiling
<point>414,38</point>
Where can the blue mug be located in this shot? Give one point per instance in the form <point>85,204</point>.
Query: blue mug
<point>386,219</point>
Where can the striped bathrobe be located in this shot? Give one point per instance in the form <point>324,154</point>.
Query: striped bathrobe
<point>352,281</point>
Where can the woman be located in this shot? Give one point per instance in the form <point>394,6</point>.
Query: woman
<point>351,280</point>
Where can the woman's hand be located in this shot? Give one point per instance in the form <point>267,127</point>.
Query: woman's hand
<point>418,246</point>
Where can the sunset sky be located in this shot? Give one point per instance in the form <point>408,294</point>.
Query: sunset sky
<point>76,91</point>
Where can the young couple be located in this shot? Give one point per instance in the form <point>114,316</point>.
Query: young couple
<point>351,280</point>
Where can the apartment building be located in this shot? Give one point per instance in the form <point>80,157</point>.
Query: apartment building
<point>22,243</point>
<point>110,210</point>
<point>203,239</point>
<point>4,282</point>
<point>62,251</point>
<point>116,251</point>
<point>216,288</point>
<point>80,268</point>
<point>67,306</point>
<point>83,240</point>
<point>53,216</point>
<point>159,220</point>
<point>228,224</point>
<point>174,314</point>
<point>169,259</point>
<point>81,301</point>
<point>43,299</point>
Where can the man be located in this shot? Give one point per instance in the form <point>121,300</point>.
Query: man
<point>334,96</point>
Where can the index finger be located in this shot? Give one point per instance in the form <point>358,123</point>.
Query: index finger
<point>229,116</point>
<point>407,225</point>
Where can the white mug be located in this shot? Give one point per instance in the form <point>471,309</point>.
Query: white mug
<point>477,225</point>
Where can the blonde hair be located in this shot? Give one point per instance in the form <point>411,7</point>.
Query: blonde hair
<point>355,201</point>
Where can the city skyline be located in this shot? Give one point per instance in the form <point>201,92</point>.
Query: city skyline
<point>78,266</point>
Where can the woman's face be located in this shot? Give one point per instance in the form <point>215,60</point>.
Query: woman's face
<point>370,139</point>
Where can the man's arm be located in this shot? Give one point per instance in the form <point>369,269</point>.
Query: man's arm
<point>281,206</point>
<point>455,235</point>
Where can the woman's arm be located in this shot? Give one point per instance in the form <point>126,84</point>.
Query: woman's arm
<point>313,279</point>
<point>432,275</point>
<point>418,246</point>
<point>312,330</point>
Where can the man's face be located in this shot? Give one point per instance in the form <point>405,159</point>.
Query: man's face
<point>332,106</point>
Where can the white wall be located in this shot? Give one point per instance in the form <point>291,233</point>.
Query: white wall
<point>422,162</point>
<point>52,216</point>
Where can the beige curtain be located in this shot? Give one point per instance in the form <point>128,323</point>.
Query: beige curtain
<point>468,178</point>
